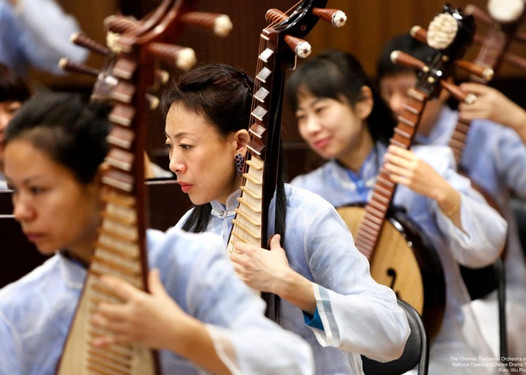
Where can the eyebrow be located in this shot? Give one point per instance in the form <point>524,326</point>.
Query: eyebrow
<point>24,182</point>
<point>176,135</point>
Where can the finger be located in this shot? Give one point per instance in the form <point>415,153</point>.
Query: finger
<point>102,341</point>
<point>154,283</point>
<point>396,150</point>
<point>394,170</point>
<point>109,312</point>
<point>122,289</point>
<point>474,88</point>
<point>239,259</point>
<point>396,160</point>
<point>275,242</point>
<point>241,247</point>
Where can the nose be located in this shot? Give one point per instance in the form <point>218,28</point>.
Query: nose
<point>396,102</point>
<point>22,211</point>
<point>309,126</point>
<point>176,165</point>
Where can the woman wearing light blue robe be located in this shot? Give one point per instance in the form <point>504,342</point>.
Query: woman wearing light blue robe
<point>37,310</point>
<point>494,158</point>
<point>36,33</point>
<point>56,198</point>
<point>475,240</point>
<point>341,312</point>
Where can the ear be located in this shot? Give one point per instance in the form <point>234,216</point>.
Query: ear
<point>241,137</point>
<point>364,106</point>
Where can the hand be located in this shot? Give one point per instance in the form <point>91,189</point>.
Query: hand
<point>405,168</point>
<point>148,319</point>
<point>491,104</point>
<point>259,268</point>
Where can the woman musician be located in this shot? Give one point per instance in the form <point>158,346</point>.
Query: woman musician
<point>342,118</point>
<point>202,316</point>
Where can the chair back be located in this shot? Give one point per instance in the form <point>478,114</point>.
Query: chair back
<point>416,351</point>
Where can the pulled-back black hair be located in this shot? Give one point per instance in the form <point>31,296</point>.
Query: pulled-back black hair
<point>12,86</point>
<point>223,95</point>
<point>72,132</point>
<point>339,75</point>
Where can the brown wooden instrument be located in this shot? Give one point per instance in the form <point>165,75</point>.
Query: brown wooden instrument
<point>493,51</point>
<point>394,247</point>
<point>135,50</point>
<point>280,44</point>
<point>502,28</point>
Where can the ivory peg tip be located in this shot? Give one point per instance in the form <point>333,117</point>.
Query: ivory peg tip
<point>186,59</point>
<point>223,25</point>
<point>303,49</point>
<point>470,98</point>
<point>394,56</point>
<point>63,62</point>
<point>339,19</point>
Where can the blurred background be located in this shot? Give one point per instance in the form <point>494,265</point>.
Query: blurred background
<point>370,24</point>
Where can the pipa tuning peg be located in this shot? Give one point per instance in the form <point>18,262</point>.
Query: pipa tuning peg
<point>69,66</point>
<point>458,93</point>
<point>405,59</point>
<point>419,33</point>
<point>275,16</point>
<point>162,76</point>
<point>219,23</point>
<point>153,101</point>
<point>335,17</point>
<point>119,23</point>
<point>481,71</point>
<point>84,41</point>
<point>181,57</point>
<point>301,47</point>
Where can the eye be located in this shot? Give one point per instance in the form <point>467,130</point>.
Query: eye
<point>320,109</point>
<point>36,190</point>
<point>185,146</point>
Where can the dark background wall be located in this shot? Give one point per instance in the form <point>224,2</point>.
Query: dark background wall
<point>370,24</point>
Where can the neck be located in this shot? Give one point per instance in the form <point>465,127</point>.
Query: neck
<point>77,256</point>
<point>355,155</point>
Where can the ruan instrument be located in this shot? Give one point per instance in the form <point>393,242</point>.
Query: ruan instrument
<point>135,52</point>
<point>401,256</point>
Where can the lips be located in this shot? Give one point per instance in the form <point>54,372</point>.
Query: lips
<point>33,237</point>
<point>185,187</point>
<point>322,143</point>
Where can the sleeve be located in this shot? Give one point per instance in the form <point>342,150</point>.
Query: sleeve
<point>246,341</point>
<point>511,160</point>
<point>9,347</point>
<point>45,34</point>
<point>483,237</point>
<point>350,303</point>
